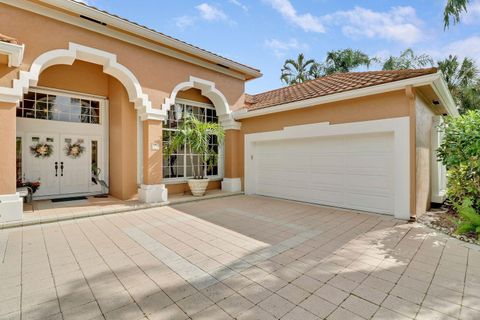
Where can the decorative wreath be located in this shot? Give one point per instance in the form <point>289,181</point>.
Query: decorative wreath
<point>74,150</point>
<point>42,150</point>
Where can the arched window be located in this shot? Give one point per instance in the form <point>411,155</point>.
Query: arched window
<point>178,166</point>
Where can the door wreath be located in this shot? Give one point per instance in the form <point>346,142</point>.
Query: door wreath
<point>74,150</point>
<point>41,150</point>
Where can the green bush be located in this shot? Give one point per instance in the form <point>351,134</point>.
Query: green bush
<point>470,219</point>
<point>460,152</point>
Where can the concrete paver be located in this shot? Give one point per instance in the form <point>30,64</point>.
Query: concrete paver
<point>241,257</point>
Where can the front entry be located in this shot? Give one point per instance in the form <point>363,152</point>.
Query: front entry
<point>61,143</point>
<point>61,163</point>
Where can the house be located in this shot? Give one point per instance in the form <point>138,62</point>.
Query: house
<point>83,91</point>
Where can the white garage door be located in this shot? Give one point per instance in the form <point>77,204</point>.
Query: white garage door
<point>354,171</point>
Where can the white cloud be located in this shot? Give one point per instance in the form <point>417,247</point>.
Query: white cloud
<point>239,4</point>
<point>468,47</point>
<point>280,48</point>
<point>400,24</point>
<point>211,13</point>
<point>472,16</point>
<point>184,22</point>
<point>306,21</point>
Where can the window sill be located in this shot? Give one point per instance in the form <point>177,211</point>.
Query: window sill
<point>182,180</point>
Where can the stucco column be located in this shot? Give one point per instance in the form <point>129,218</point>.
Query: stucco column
<point>11,207</point>
<point>152,190</point>
<point>232,172</point>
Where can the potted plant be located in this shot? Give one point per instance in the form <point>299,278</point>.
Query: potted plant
<point>195,135</point>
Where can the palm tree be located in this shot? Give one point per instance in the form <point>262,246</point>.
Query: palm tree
<point>452,11</point>
<point>345,61</point>
<point>298,71</point>
<point>195,136</point>
<point>462,78</point>
<point>407,60</point>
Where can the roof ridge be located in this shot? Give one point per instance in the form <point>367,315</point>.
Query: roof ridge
<point>336,75</point>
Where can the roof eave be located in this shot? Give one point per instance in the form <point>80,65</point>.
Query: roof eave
<point>440,87</point>
<point>429,79</point>
<point>121,24</point>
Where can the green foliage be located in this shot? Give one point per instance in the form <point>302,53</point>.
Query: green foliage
<point>469,218</point>
<point>299,70</point>
<point>452,11</point>
<point>460,152</point>
<point>195,135</point>
<point>408,60</point>
<point>345,60</point>
<point>463,82</point>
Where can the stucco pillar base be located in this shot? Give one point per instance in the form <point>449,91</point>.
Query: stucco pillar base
<point>232,184</point>
<point>11,207</point>
<point>152,193</point>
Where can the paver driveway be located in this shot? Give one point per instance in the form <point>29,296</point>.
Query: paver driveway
<point>237,257</point>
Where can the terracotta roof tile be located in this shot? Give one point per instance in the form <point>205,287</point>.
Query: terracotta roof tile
<point>336,83</point>
<point>5,38</point>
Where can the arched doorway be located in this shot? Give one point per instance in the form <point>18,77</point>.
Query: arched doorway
<point>76,119</point>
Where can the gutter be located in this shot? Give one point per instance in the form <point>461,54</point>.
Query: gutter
<point>435,80</point>
<point>144,32</point>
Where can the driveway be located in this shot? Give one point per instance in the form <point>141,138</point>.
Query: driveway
<point>237,257</point>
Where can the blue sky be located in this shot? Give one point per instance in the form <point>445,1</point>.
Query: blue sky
<point>264,33</point>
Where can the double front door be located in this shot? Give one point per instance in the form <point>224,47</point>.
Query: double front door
<point>62,163</point>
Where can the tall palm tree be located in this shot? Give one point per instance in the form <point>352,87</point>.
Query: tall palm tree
<point>298,71</point>
<point>452,11</point>
<point>407,60</point>
<point>345,61</point>
<point>463,81</point>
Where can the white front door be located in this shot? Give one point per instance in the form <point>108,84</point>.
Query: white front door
<point>62,164</point>
<point>42,162</point>
<point>75,172</point>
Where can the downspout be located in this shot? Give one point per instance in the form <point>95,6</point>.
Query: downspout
<point>411,101</point>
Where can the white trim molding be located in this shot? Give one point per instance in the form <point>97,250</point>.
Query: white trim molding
<point>232,184</point>
<point>14,53</point>
<point>208,89</point>
<point>74,52</point>
<point>435,80</point>
<point>401,166</point>
<point>152,193</point>
<point>438,170</point>
<point>11,207</point>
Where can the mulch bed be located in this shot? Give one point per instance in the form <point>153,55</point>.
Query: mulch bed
<point>442,219</point>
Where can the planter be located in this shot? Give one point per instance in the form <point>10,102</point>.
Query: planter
<point>198,186</point>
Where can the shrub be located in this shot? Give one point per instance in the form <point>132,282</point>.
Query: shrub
<point>470,219</point>
<point>460,153</point>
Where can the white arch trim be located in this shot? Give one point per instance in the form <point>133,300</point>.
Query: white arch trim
<point>208,90</point>
<point>79,52</point>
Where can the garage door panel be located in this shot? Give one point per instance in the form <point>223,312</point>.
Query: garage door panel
<point>369,202</point>
<point>346,171</point>
<point>381,183</point>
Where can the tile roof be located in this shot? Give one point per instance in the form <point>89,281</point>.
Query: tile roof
<point>335,83</point>
<point>7,39</point>
<point>160,33</point>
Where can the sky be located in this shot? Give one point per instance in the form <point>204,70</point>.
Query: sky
<point>263,33</point>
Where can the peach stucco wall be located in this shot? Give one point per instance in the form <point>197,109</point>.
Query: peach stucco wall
<point>81,77</point>
<point>8,147</point>
<point>158,74</point>
<point>122,143</point>
<point>424,126</point>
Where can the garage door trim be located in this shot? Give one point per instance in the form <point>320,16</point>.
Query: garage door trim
<point>401,154</point>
